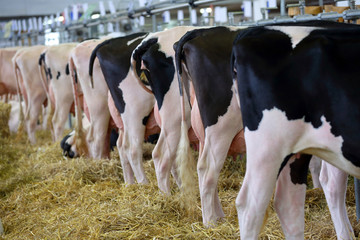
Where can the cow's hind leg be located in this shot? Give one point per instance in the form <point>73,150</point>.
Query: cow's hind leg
<point>162,163</point>
<point>59,119</point>
<point>209,166</point>
<point>290,196</point>
<point>164,155</point>
<point>334,182</point>
<point>133,145</point>
<point>98,136</point>
<point>127,170</point>
<point>35,107</point>
<point>262,166</point>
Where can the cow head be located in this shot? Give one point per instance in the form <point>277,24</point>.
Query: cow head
<point>68,146</point>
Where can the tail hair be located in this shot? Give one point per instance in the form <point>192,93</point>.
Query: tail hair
<point>20,130</point>
<point>80,138</point>
<point>187,171</point>
<point>92,59</point>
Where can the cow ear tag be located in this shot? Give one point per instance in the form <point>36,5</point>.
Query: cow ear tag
<point>143,78</point>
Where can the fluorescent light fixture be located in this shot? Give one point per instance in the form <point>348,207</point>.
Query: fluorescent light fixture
<point>95,16</point>
<point>60,19</point>
<point>208,10</point>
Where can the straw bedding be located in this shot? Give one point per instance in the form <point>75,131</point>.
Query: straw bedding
<point>46,196</point>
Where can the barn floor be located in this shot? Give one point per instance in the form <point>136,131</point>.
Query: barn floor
<point>44,195</point>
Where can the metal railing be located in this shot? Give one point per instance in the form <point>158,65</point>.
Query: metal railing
<point>89,28</point>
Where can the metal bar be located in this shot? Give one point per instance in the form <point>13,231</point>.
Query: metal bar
<point>357,199</point>
<point>90,24</point>
<point>183,5</point>
<point>78,26</point>
<point>282,8</point>
<point>154,25</point>
<point>206,2</point>
<point>351,14</point>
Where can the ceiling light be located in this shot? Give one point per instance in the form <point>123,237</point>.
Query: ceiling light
<point>95,16</point>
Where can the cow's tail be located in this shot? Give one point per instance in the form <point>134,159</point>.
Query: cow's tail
<point>234,77</point>
<point>45,82</point>
<point>184,157</point>
<point>18,77</point>
<point>80,138</point>
<point>43,72</point>
<point>92,60</point>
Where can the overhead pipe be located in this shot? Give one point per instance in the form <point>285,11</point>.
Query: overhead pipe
<point>347,15</point>
<point>154,10</point>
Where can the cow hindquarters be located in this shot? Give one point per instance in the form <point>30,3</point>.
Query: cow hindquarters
<point>289,197</point>
<point>334,182</point>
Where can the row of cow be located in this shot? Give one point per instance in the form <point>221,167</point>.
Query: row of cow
<point>282,89</point>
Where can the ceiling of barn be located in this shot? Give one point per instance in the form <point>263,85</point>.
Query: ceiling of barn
<point>11,8</point>
<point>27,8</point>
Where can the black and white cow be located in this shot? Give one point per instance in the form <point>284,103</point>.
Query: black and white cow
<point>298,94</point>
<point>148,90</point>
<point>130,106</point>
<point>204,53</point>
<point>201,57</point>
<point>154,58</point>
<point>53,64</point>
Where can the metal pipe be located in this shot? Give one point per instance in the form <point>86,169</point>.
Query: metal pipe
<point>206,2</point>
<point>90,24</point>
<point>78,26</point>
<point>183,5</point>
<point>282,8</point>
<point>329,16</point>
<point>351,14</point>
<point>190,9</point>
<point>154,26</point>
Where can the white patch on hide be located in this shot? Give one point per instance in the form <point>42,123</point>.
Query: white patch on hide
<point>135,39</point>
<point>295,33</point>
<point>279,134</point>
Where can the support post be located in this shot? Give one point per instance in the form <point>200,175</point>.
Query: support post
<point>302,7</point>
<point>357,197</point>
<point>282,8</point>
<point>154,26</point>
